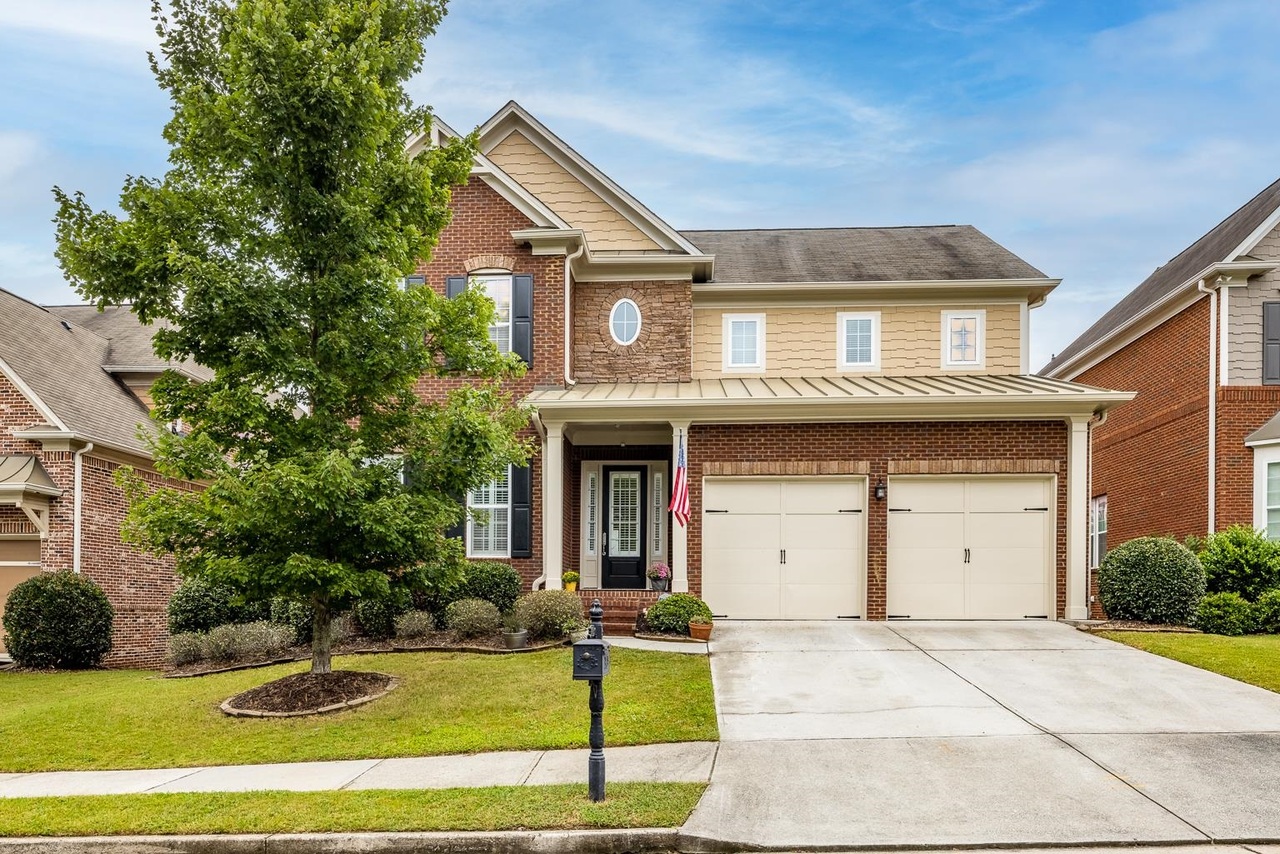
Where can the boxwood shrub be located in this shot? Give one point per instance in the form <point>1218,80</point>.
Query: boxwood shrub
<point>549,614</point>
<point>1241,560</point>
<point>1225,614</point>
<point>57,619</point>
<point>198,606</point>
<point>491,581</point>
<point>1266,613</point>
<point>1152,579</point>
<point>673,613</point>
<point>377,617</point>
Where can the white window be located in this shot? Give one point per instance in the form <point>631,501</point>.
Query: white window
<point>744,342</point>
<point>624,321</point>
<point>1097,530</point>
<point>1273,501</point>
<point>859,340</point>
<point>489,519</point>
<point>497,286</point>
<point>963,334</point>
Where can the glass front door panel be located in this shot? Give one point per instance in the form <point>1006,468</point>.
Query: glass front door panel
<point>624,514</point>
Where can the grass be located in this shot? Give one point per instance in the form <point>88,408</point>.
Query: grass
<point>1253,658</point>
<point>446,703</point>
<point>498,808</point>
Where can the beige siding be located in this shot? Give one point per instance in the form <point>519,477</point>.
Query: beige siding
<point>1244,317</point>
<point>567,196</point>
<point>803,341</point>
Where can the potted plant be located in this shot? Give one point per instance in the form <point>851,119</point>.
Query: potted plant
<point>570,579</point>
<point>514,634</point>
<point>659,576</point>
<point>700,627</point>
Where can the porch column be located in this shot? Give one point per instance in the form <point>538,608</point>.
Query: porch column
<point>553,506</point>
<point>679,533</point>
<point>1077,517</point>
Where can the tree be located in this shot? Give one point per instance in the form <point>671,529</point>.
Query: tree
<point>272,252</point>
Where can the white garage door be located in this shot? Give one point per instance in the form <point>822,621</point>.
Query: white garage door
<point>783,548</point>
<point>978,548</point>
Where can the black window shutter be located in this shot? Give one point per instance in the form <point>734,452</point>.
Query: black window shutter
<point>521,512</point>
<point>458,530</point>
<point>416,280</point>
<point>454,285</point>
<point>522,317</point>
<point>1271,343</point>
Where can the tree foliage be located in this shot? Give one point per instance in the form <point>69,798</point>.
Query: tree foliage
<point>271,252</point>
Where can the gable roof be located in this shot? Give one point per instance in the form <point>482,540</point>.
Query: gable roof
<point>129,341</point>
<point>61,368</point>
<point>1226,242</point>
<point>512,117</point>
<point>932,253</point>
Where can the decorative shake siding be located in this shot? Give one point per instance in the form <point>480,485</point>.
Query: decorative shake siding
<point>576,204</point>
<point>803,341</point>
<point>1244,315</point>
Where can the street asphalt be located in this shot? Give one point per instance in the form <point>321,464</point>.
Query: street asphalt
<point>854,735</point>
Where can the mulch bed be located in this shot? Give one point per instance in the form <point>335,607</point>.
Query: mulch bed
<point>311,692</point>
<point>1134,626</point>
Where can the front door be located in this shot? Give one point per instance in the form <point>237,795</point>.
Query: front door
<point>624,541</point>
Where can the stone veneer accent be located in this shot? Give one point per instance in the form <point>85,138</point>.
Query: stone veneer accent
<point>661,353</point>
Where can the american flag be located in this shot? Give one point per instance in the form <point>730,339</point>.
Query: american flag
<point>679,506</point>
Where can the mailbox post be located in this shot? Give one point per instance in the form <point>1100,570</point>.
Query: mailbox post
<point>591,663</point>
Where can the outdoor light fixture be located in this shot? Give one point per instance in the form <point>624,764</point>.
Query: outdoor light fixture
<point>881,492</point>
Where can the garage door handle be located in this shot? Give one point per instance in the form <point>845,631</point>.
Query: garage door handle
<point>966,555</point>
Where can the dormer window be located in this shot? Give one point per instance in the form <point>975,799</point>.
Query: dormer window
<point>963,339</point>
<point>624,322</point>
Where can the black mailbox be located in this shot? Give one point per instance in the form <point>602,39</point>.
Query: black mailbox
<point>590,659</point>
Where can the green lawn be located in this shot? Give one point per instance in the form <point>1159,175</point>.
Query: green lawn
<point>499,808</point>
<point>1253,658</point>
<point>446,703</point>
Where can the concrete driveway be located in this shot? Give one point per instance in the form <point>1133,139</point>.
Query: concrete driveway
<point>845,735</point>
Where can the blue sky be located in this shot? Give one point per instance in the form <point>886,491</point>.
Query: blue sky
<point>1095,138</point>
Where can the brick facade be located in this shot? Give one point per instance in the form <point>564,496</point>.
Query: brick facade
<point>138,585</point>
<point>879,446</point>
<point>661,353</point>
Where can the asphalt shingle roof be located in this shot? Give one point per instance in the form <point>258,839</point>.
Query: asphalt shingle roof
<point>913,253</point>
<point>1210,249</point>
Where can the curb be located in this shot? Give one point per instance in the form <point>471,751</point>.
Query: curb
<point>640,841</point>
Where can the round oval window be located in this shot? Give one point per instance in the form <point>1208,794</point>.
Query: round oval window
<point>624,321</point>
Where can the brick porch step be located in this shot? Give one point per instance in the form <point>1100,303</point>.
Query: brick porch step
<point>620,607</point>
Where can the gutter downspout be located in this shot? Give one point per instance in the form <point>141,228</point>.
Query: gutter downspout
<point>1213,401</point>
<point>569,381</point>
<point>76,525</point>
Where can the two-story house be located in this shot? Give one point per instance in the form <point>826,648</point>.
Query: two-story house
<point>1199,340</point>
<point>862,434</point>
<point>74,398</point>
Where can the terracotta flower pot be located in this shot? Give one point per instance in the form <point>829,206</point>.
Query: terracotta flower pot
<point>700,631</point>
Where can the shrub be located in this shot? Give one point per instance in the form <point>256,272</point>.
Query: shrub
<point>414,624</point>
<point>242,641</point>
<point>673,613</point>
<point>198,605</point>
<point>1266,613</point>
<point>295,615</point>
<point>1241,560</point>
<point>1153,579</point>
<point>473,618</point>
<point>221,643</point>
<point>494,582</point>
<point>549,614</point>
<point>186,648</point>
<point>1225,614</point>
<point>377,617</point>
<point>57,619</point>
<point>341,629</point>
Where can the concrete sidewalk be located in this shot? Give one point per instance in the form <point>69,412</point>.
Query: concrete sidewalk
<point>660,763</point>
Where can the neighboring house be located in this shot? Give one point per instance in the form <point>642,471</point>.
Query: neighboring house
<point>1199,340</point>
<point>74,394</point>
<point>863,435</point>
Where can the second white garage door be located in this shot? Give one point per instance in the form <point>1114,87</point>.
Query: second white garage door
<point>970,548</point>
<point>776,548</point>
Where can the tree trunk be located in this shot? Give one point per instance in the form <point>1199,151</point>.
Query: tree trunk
<point>321,637</point>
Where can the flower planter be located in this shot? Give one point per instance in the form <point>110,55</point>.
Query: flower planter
<point>516,640</point>
<point>700,631</point>
<point>658,584</point>
<point>571,586</point>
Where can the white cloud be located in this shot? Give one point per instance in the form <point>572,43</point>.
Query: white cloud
<point>118,23</point>
<point>17,152</point>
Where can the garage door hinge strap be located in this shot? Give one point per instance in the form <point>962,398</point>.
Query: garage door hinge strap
<point>1041,509</point>
<point>848,511</point>
<point>899,509</point>
<point>715,511</point>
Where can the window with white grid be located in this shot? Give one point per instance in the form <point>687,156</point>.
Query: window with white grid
<point>497,286</point>
<point>859,340</point>
<point>489,519</point>
<point>962,338</point>
<point>744,342</point>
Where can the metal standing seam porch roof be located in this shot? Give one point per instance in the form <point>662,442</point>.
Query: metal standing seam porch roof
<point>853,397</point>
